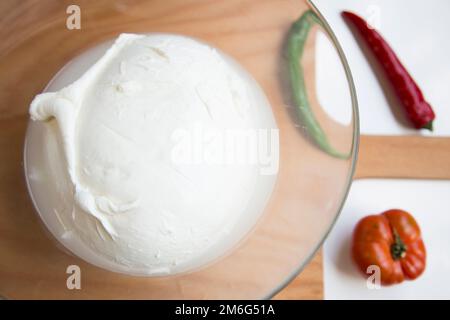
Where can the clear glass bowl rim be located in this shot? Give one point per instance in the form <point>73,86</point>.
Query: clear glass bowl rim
<point>354,153</point>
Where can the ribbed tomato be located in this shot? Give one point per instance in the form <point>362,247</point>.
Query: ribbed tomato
<point>391,241</point>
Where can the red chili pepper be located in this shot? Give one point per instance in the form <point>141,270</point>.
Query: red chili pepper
<point>417,109</point>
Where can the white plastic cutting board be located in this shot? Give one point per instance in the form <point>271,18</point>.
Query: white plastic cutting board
<point>428,202</point>
<point>418,32</point>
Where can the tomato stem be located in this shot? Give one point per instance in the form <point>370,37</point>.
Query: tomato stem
<point>398,248</point>
<point>428,125</point>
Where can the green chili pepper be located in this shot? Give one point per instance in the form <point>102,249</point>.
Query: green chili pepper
<point>298,35</point>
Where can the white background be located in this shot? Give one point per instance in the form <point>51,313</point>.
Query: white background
<point>418,32</point>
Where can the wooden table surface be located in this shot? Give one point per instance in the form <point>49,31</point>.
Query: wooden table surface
<point>21,78</point>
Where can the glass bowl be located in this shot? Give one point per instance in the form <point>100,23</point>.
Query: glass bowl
<point>311,184</point>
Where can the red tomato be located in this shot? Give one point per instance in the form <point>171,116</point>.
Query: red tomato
<point>391,241</point>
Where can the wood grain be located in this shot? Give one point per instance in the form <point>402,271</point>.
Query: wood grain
<point>26,40</point>
<point>404,157</point>
<point>35,45</point>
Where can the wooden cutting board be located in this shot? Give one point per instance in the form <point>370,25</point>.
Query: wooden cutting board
<point>381,157</point>
<point>36,44</point>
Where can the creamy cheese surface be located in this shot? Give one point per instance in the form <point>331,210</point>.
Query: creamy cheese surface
<point>127,129</point>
